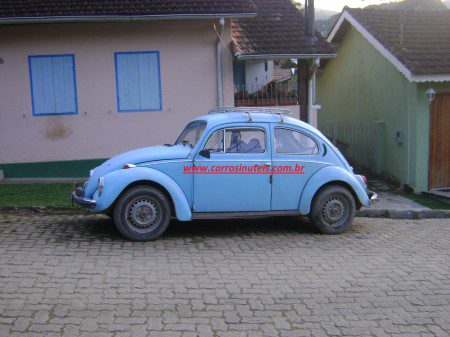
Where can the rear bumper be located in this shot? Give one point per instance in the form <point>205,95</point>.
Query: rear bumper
<point>374,197</point>
<point>77,197</point>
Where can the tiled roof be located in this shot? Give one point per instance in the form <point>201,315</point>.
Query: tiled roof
<point>51,8</point>
<point>420,40</point>
<point>281,74</point>
<point>278,29</point>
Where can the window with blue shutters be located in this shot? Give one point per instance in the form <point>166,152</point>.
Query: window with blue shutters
<point>53,85</point>
<point>138,81</point>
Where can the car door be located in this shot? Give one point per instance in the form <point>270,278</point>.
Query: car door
<point>296,156</point>
<point>232,179</point>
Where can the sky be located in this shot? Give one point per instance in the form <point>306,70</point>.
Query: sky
<point>337,5</point>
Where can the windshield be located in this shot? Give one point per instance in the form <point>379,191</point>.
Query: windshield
<point>191,134</point>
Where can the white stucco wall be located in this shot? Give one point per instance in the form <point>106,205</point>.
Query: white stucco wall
<point>188,78</point>
<point>256,75</point>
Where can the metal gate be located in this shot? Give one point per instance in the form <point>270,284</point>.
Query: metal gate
<point>356,141</point>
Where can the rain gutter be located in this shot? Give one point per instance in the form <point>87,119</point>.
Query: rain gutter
<point>120,18</point>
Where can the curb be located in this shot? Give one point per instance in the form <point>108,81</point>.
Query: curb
<point>404,214</point>
<point>42,210</point>
<point>367,213</point>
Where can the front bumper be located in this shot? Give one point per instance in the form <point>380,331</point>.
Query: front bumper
<point>374,198</point>
<point>77,197</point>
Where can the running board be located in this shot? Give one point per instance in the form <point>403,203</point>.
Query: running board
<point>240,215</point>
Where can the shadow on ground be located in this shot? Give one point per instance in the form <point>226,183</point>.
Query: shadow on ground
<point>103,227</point>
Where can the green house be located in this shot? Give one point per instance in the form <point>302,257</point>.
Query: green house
<point>392,74</point>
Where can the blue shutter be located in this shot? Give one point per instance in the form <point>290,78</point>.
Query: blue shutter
<point>138,81</point>
<point>53,85</point>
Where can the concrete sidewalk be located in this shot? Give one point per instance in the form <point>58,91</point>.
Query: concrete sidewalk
<point>394,205</point>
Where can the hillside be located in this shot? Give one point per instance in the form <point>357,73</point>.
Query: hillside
<point>324,24</point>
<point>412,4</point>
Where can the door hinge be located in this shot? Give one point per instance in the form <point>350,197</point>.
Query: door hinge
<point>193,206</point>
<point>270,179</point>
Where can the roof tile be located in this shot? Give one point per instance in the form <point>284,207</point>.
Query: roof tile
<point>279,28</point>
<point>41,8</point>
<point>420,40</point>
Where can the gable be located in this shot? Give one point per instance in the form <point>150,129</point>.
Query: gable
<point>431,64</point>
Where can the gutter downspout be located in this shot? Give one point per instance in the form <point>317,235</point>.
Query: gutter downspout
<point>219,64</point>
<point>312,87</point>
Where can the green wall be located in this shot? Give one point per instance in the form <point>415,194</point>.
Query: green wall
<point>53,169</point>
<point>361,85</point>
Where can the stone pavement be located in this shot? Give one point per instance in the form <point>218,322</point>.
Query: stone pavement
<point>73,275</point>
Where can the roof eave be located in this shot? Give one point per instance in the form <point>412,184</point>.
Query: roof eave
<point>386,53</point>
<point>430,78</point>
<point>282,56</point>
<point>122,18</point>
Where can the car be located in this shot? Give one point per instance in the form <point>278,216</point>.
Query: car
<point>230,163</point>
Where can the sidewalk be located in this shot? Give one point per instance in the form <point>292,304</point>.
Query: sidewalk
<point>393,202</point>
<point>394,205</point>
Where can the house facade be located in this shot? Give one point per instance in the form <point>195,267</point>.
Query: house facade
<point>82,82</point>
<point>82,87</point>
<point>387,60</point>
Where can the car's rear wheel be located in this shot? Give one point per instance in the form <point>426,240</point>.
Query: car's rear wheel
<point>333,209</point>
<point>142,213</point>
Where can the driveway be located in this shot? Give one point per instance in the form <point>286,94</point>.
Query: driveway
<point>73,275</point>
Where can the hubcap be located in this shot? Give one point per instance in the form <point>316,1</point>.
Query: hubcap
<point>333,211</point>
<point>142,214</point>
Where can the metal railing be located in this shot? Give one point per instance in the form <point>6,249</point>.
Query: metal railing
<point>271,94</point>
<point>356,141</point>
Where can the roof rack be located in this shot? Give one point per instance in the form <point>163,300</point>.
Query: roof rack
<point>250,110</point>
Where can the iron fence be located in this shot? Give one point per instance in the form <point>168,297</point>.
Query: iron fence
<point>356,141</point>
<point>271,94</point>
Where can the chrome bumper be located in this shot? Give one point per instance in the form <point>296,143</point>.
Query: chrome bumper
<point>77,197</point>
<point>374,198</point>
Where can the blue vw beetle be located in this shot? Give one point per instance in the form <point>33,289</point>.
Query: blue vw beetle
<point>231,163</point>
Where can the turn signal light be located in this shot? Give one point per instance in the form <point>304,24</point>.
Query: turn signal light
<point>127,166</point>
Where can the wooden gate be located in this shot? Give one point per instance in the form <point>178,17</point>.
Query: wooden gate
<point>439,161</point>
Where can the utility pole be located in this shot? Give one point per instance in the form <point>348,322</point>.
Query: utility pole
<point>303,64</point>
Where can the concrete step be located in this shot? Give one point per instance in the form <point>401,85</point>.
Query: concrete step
<point>439,194</point>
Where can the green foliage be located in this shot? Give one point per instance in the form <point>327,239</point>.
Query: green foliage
<point>54,194</point>
<point>428,202</point>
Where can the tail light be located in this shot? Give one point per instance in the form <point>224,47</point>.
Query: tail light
<point>364,179</point>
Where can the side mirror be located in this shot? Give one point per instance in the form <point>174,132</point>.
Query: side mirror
<point>205,153</point>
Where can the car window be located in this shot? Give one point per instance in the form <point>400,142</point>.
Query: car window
<point>191,134</point>
<point>245,140</point>
<point>291,141</point>
<point>215,142</point>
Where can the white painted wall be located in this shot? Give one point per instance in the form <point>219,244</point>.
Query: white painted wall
<point>256,76</point>
<point>188,78</point>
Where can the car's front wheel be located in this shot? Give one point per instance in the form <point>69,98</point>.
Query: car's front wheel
<point>333,209</point>
<point>142,213</point>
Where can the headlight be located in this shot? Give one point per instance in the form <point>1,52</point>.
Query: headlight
<point>101,181</point>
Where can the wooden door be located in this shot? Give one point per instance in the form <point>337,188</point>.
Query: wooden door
<point>439,161</point>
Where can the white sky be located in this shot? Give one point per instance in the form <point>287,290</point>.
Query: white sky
<point>337,5</point>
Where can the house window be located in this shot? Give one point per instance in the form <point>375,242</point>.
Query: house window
<point>138,81</point>
<point>53,85</point>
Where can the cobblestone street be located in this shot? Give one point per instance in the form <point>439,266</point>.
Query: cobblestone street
<point>74,275</point>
